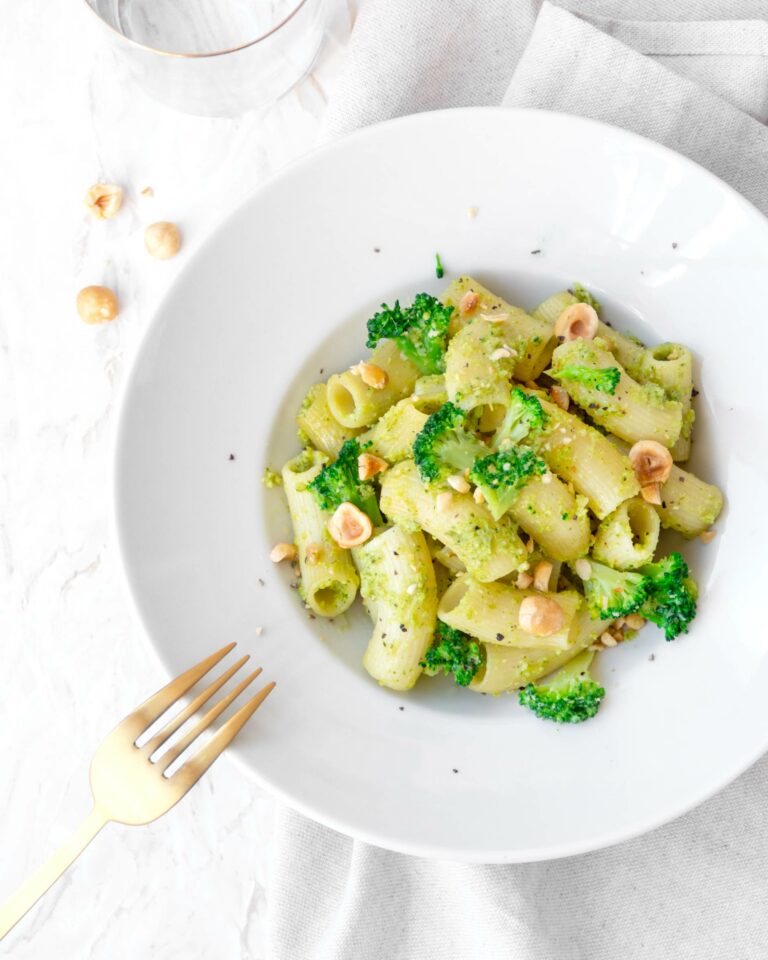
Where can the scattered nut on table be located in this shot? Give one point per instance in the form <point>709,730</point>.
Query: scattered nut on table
<point>104,200</point>
<point>97,304</point>
<point>162,239</point>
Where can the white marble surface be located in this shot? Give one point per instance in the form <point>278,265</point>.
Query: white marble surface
<point>194,884</point>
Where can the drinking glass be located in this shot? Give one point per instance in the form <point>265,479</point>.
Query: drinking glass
<point>214,57</point>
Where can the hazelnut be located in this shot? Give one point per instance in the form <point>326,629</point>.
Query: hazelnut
<point>578,320</point>
<point>651,493</point>
<point>542,573</point>
<point>651,461</point>
<point>97,304</point>
<point>634,621</point>
<point>524,580</point>
<point>707,536</point>
<point>478,496</point>
<point>583,568</point>
<point>368,465</point>
<point>560,397</point>
<point>371,375</point>
<point>104,200</point>
<point>540,616</point>
<point>443,501</point>
<point>282,551</point>
<point>162,240</point>
<point>349,526</point>
<point>468,302</point>
<point>313,554</point>
<point>458,483</point>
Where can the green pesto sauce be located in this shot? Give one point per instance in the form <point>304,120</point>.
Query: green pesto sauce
<point>271,478</point>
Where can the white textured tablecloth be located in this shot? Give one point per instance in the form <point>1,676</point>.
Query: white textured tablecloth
<point>697,888</point>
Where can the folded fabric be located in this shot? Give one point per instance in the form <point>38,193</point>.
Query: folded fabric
<point>695,889</point>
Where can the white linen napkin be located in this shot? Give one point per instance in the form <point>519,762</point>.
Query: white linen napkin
<point>697,888</point>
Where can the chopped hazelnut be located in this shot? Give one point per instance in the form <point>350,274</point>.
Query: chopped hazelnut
<point>468,302</point>
<point>651,461</point>
<point>282,551</point>
<point>560,397</point>
<point>104,200</point>
<point>524,580</point>
<point>542,573</point>
<point>443,501</point>
<point>349,526</point>
<point>651,493</point>
<point>583,568</point>
<point>368,465</point>
<point>577,321</point>
<point>371,375</point>
<point>540,616</point>
<point>707,536</point>
<point>458,483</point>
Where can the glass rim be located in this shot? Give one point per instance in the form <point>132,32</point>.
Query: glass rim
<point>197,56</point>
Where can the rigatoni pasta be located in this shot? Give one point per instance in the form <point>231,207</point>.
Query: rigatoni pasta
<point>495,481</point>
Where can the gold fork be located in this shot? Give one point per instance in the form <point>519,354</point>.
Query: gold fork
<point>127,786</point>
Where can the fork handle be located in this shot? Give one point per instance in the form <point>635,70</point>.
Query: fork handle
<point>49,872</point>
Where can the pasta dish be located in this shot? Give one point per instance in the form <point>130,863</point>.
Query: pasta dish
<point>493,482</point>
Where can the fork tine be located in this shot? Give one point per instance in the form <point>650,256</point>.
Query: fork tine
<point>145,715</point>
<point>196,766</point>
<point>206,720</point>
<point>181,718</point>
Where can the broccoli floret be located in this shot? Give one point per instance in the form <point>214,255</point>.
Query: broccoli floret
<point>339,482</point>
<point>570,696</point>
<point>604,379</point>
<point>584,296</point>
<point>612,593</point>
<point>443,446</point>
<point>502,475</point>
<point>420,331</point>
<point>525,415</point>
<point>453,652</point>
<point>671,599</point>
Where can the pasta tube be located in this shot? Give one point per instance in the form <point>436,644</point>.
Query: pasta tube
<point>584,457</point>
<point>688,505</point>
<point>488,549</point>
<point>510,668</point>
<point>328,578</point>
<point>397,584</point>
<point>530,337</point>
<point>489,611</point>
<point>627,538</point>
<point>356,404</point>
<point>318,424</point>
<point>626,408</point>
<point>551,513</point>
<point>392,436</point>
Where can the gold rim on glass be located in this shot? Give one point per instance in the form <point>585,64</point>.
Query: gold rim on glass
<point>198,56</point>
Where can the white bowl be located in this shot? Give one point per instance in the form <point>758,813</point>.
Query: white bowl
<point>276,299</point>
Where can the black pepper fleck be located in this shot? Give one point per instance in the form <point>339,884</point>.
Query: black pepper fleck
<point>231,456</point>
<point>377,249</point>
<point>694,392</point>
<point>261,582</point>
<point>664,504</point>
<point>455,770</point>
<point>499,637</point>
<point>534,252</point>
<point>674,246</point>
<point>401,708</point>
<point>403,628</point>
